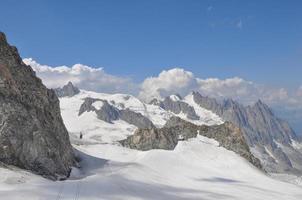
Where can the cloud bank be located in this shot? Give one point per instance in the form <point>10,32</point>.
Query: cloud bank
<point>169,82</point>
<point>84,77</point>
<point>176,80</point>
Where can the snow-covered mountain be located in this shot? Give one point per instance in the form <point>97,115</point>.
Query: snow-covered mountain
<point>189,108</point>
<point>271,139</point>
<point>197,168</point>
<point>88,120</point>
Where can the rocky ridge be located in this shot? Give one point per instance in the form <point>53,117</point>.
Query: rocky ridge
<point>32,133</point>
<point>270,138</point>
<point>228,136</point>
<point>109,113</point>
<point>67,90</point>
<point>177,106</point>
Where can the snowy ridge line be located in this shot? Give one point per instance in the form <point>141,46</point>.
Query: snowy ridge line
<point>196,169</point>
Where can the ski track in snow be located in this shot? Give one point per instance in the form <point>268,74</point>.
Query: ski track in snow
<point>195,169</point>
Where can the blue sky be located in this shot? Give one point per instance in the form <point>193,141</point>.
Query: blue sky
<point>256,40</point>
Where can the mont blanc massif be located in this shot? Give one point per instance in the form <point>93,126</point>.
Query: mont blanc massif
<point>69,143</point>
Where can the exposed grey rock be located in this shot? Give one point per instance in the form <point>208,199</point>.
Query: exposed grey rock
<point>32,133</point>
<point>110,113</point>
<point>87,105</point>
<point>137,119</point>
<point>228,136</point>
<point>147,139</point>
<point>178,107</point>
<point>262,130</point>
<point>155,102</point>
<point>68,90</point>
<point>107,112</point>
<point>259,122</point>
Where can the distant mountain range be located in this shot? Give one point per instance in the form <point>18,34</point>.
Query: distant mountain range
<point>269,138</point>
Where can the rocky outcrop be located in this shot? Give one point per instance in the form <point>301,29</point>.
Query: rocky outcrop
<point>109,113</point>
<point>87,105</point>
<point>155,102</point>
<point>268,136</point>
<point>68,90</point>
<point>32,133</point>
<point>259,122</point>
<point>178,107</point>
<point>228,136</point>
<point>106,113</point>
<point>137,119</point>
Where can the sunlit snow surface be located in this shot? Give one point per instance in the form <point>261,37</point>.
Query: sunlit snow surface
<point>196,169</point>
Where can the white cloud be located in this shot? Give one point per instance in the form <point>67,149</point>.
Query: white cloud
<point>169,82</point>
<point>219,88</point>
<point>179,81</point>
<point>85,77</point>
<point>166,83</point>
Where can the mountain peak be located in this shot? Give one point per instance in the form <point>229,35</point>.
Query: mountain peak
<point>67,90</point>
<point>2,37</point>
<point>175,97</point>
<point>155,101</point>
<point>70,84</point>
<point>195,93</point>
<point>260,104</point>
<point>231,103</point>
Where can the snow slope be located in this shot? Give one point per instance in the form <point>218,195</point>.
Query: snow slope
<point>206,117</point>
<point>195,169</point>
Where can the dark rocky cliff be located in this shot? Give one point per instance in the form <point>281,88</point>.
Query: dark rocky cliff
<point>32,133</point>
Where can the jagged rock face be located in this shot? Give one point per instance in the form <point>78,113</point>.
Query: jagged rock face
<point>32,133</point>
<point>68,90</point>
<point>147,139</point>
<point>228,136</point>
<point>137,119</point>
<point>106,113</point>
<point>109,113</point>
<point>259,122</point>
<point>155,102</point>
<point>262,130</point>
<point>178,107</point>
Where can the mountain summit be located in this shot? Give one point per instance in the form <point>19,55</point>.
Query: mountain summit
<point>67,90</point>
<point>270,138</point>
